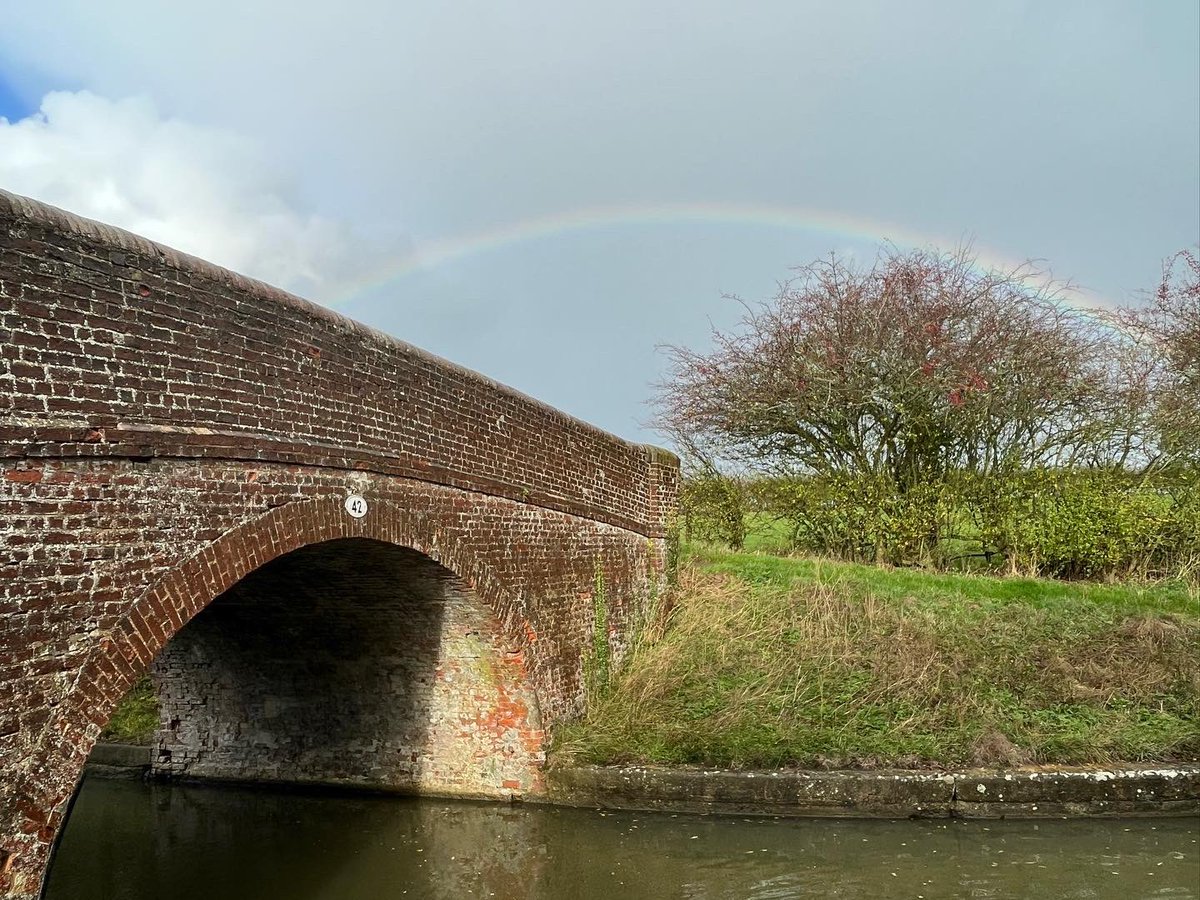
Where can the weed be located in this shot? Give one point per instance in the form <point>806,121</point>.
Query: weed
<point>135,719</point>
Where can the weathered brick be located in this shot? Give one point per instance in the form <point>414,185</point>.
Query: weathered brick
<point>168,428</point>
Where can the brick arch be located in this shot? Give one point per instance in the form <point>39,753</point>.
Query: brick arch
<point>122,656</point>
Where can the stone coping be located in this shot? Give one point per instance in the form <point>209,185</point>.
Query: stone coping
<point>974,794</point>
<point>1045,793</point>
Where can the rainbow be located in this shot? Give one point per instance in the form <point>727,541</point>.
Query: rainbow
<point>435,253</point>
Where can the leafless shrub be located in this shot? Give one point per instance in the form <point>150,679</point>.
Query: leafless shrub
<point>920,365</point>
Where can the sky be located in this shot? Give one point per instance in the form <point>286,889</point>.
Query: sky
<point>547,191</point>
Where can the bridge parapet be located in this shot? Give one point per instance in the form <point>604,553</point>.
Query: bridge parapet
<point>116,346</point>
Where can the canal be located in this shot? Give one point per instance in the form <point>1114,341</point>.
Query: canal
<point>126,840</point>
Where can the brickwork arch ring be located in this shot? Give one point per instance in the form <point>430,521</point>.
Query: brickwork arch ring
<point>170,603</point>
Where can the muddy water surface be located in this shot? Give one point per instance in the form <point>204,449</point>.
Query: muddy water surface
<point>130,841</point>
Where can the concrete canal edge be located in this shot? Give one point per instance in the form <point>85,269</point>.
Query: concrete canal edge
<point>970,794</point>
<point>1162,790</point>
<point>118,761</point>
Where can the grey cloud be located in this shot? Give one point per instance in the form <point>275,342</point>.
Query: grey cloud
<point>1066,131</point>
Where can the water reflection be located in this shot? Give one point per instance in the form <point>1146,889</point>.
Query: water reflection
<point>128,841</point>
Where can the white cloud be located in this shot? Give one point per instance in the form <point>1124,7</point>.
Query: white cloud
<point>208,192</point>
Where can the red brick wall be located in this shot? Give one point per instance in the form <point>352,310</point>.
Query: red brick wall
<point>167,427</point>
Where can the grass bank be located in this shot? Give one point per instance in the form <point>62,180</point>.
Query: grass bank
<point>764,661</point>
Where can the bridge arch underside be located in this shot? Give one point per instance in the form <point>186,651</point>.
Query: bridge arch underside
<point>351,662</point>
<point>221,577</point>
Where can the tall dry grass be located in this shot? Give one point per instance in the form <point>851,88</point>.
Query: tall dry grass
<point>826,670</point>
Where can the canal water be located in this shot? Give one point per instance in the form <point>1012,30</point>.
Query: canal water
<point>131,841</point>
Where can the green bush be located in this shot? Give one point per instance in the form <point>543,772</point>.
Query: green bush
<point>860,519</point>
<point>1088,523</point>
<point>713,508</point>
<point>1063,523</point>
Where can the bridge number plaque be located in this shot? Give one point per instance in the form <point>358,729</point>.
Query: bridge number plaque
<point>356,506</point>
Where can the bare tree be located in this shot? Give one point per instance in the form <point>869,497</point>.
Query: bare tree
<point>921,365</point>
<point>1167,334</point>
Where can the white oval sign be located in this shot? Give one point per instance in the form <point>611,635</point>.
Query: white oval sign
<point>356,506</point>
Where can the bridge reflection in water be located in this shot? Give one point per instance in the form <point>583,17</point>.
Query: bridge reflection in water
<point>129,841</point>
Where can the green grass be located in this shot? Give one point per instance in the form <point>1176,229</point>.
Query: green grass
<point>939,589</point>
<point>767,534</point>
<point>767,661</point>
<point>136,717</point>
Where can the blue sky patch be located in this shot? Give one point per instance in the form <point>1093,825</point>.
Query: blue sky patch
<point>13,107</point>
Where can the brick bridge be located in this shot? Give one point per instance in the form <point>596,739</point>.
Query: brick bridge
<point>180,448</point>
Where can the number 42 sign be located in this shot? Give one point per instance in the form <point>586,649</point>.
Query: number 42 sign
<point>356,506</point>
